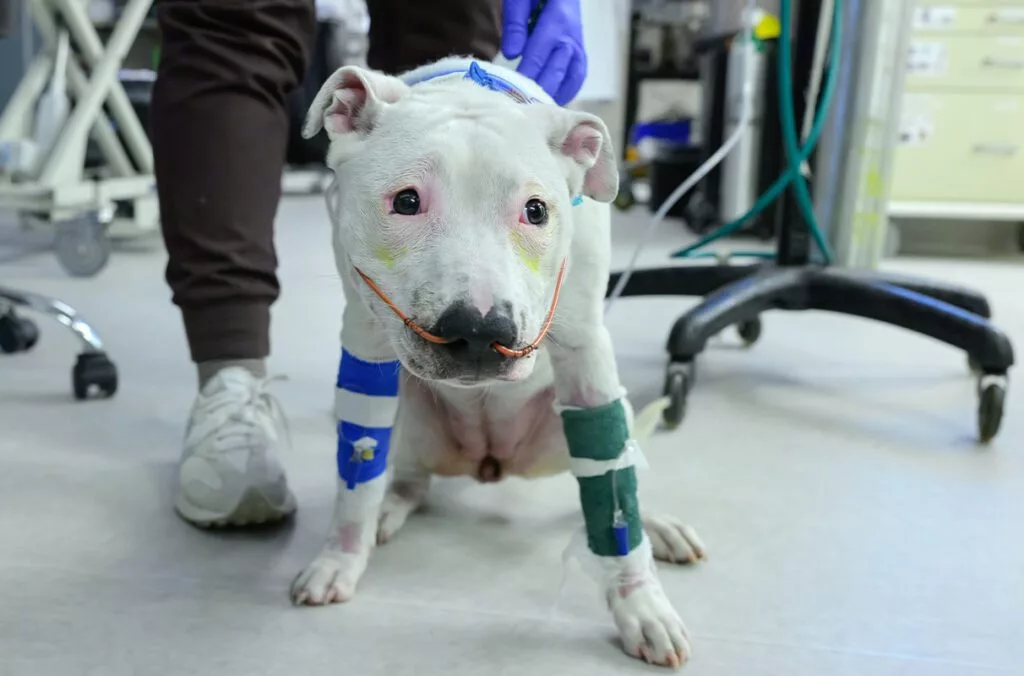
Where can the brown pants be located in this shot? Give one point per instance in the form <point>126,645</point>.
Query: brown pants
<point>220,131</point>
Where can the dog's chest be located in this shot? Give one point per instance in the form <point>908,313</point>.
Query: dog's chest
<point>498,432</point>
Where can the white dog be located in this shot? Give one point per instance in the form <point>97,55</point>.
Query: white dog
<point>465,196</point>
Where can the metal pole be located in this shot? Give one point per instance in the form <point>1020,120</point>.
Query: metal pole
<point>856,151</point>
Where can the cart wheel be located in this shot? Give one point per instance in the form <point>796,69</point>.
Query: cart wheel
<point>990,410</point>
<point>17,334</point>
<point>94,370</point>
<point>750,331</point>
<point>82,245</point>
<point>678,381</point>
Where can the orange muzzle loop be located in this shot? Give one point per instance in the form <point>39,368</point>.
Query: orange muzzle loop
<point>503,350</point>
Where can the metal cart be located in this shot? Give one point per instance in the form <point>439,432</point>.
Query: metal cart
<point>87,206</point>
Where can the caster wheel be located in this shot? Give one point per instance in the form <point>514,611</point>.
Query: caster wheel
<point>625,199</point>
<point>677,388</point>
<point>17,334</point>
<point>94,370</point>
<point>750,331</point>
<point>991,399</point>
<point>82,246</point>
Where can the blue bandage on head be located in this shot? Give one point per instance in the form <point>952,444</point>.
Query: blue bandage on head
<point>366,400</point>
<point>477,74</point>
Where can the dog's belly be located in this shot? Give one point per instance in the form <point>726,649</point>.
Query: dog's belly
<point>508,429</point>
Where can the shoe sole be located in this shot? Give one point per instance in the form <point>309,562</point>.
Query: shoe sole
<point>253,509</point>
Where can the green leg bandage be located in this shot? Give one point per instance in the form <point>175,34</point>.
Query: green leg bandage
<point>609,498</point>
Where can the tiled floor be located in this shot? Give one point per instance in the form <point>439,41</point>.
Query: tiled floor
<point>853,525</point>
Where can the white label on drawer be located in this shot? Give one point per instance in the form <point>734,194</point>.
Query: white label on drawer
<point>915,130</point>
<point>927,58</point>
<point>917,119</point>
<point>934,16</point>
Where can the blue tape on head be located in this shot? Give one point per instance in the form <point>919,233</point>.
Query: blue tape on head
<point>480,76</point>
<point>353,467</point>
<point>378,379</point>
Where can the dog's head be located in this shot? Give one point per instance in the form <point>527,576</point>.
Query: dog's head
<point>458,203</point>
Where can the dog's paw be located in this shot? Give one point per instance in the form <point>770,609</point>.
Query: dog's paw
<point>331,578</point>
<point>649,626</point>
<point>673,541</point>
<point>400,501</point>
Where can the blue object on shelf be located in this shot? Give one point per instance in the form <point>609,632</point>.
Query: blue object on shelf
<point>673,131</point>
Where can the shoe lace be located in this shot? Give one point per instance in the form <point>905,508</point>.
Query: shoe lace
<point>237,415</point>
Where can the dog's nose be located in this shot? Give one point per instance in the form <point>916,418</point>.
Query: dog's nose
<point>471,334</point>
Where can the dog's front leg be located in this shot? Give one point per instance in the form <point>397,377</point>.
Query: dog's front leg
<point>366,403</point>
<point>597,429</point>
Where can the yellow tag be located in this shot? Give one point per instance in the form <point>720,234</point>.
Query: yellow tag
<point>367,454</point>
<point>768,27</point>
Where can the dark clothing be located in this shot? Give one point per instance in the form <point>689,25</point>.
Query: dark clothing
<point>220,131</point>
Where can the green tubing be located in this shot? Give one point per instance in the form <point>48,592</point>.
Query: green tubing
<point>788,117</point>
<point>802,153</point>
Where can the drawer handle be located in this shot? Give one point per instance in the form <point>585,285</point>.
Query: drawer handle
<point>998,149</point>
<point>1011,18</point>
<point>1006,64</point>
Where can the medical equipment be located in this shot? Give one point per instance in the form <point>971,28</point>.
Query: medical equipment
<point>43,169</point>
<point>747,44</point>
<point>737,295</point>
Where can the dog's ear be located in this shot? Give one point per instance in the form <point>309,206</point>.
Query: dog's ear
<point>350,101</point>
<point>584,140</point>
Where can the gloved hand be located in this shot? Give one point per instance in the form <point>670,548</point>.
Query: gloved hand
<point>553,55</point>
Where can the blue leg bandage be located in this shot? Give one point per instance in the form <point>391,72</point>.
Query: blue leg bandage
<point>365,405</point>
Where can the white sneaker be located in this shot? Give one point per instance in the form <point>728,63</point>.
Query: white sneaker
<point>229,473</point>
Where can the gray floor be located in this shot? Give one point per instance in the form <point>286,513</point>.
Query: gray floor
<point>854,527</point>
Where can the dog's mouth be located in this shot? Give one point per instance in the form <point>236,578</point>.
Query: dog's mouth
<point>460,365</point>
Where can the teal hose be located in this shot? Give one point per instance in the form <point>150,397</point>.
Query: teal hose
<point>788,117</point>
<point>785,81</point>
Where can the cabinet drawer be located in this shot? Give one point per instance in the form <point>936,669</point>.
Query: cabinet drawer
<point>941,17</point>
<point>970,62</point>
<point>960,147</point>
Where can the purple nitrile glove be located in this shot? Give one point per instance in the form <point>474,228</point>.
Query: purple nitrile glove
<point>553,55</point>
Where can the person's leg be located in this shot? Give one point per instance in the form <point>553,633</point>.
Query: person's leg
<point>404,34</point>
<point>220,128</point>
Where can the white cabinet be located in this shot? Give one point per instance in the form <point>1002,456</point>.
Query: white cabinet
<point>960,151</point>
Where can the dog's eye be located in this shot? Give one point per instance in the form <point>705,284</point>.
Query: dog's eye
<point>535,212</point>
<point>406,202</point>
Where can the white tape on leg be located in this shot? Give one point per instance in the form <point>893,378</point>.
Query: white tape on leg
<point>631,456</point>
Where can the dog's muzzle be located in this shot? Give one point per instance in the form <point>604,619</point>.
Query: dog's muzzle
<point>475,333</point>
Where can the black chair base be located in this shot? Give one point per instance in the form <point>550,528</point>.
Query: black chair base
<point>94,375</point>
<point>737,295</point>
